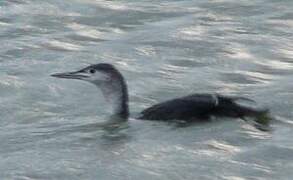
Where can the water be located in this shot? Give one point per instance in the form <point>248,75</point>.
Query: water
<point>165,49</point>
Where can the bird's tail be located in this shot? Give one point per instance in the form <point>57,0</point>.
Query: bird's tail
<point>260,118</point>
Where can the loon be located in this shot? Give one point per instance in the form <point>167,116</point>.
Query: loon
<point>189,108</point>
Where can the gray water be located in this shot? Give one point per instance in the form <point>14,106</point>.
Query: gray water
<point>50,128</point>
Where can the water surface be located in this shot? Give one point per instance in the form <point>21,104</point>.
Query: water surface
<point>165,49</point>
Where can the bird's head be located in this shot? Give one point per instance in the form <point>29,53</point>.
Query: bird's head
<point>97,74</point>
<point>109,80</point>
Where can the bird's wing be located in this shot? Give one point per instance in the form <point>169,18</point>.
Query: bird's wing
<point>185,108</point>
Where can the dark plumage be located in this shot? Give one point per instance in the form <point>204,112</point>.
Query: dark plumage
<point>198,107</point>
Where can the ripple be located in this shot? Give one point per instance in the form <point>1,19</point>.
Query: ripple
<point>9,80</point>
<point>4,23</point>
<point>277,65</point>
<point>238,78</point>
<point>146,50</point>
<point>259,76</point>
<point>249,77</point>
<point>85,32</point>
<point>223,146</point>
<point>278,23</point>
<point>286,121</point>
<point>233,178</point>
<point>188,63</point>
<point>172,72</point>
<point>192,33</point>
<point>243,30</point>
<point>62,46</point>
<point>113,5</point>
<point>252,132</point>
<point>256,166</point>
<point>238,51</point>
<point>288,53</point>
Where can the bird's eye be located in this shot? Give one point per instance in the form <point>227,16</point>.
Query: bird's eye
<point>92,71</point>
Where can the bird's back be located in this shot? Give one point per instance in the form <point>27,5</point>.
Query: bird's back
<point>199,107</point>
<point>184,108</point>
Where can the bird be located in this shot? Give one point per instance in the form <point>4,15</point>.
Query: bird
<point>189,108</point>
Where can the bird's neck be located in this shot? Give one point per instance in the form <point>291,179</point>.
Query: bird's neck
<point>116,94</point>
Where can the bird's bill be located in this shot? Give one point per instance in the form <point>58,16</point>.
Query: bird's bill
<point>71,75</point>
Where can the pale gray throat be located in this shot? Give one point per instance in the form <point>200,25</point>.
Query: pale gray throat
<point>116,94</point>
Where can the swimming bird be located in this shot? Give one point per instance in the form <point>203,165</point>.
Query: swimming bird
<point>189,108</point>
